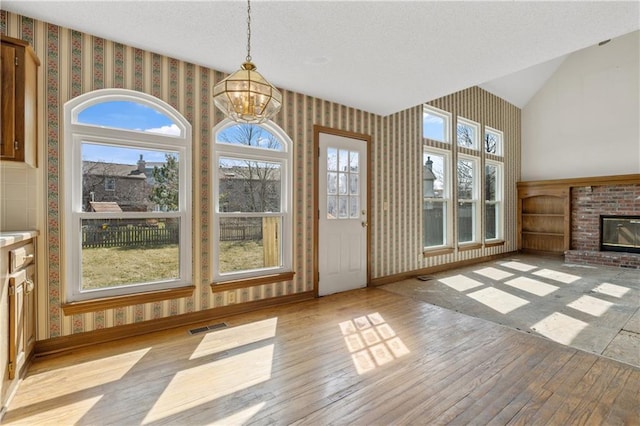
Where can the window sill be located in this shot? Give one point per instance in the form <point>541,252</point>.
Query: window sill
<point>101,304</point>
<point>437,252</point>
<point>472,246</point>
<point>251,282</point>
<point>494,243</point>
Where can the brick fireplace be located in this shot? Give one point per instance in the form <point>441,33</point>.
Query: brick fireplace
<point>588,203</point>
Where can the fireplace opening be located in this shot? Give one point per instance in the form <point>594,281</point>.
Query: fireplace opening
<point>620,233</point>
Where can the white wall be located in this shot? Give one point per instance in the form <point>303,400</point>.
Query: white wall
<point>585,121</point>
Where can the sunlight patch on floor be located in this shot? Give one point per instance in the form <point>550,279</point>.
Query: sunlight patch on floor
<point>460,282</point>
<point>234,337</point>
<point>532,286</point>
<point>591,305</point>
<point>557,276</point>
<point>241,417</point>
<point>493,273</point>
<point>228,375</point>
<point>518,266</point>
<point>371,341</point>
<point>611,290</point>
<point>560,328</point>
<point>498,300</point>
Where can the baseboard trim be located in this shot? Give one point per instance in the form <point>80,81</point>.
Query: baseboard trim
<point>388,279</point>
<point>74,341</point>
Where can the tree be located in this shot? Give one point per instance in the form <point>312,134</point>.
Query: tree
<point>165,187</point>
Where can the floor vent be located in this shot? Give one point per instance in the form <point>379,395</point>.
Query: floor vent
<point>424,277</point>
<point>208,328</point>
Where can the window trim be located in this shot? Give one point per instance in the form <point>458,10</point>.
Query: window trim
<point>285,158</point>
<point>446,116</point>
<point>474,201</point>
<point>447,198</point>
<point>499,201</point>
<point>78,133</point>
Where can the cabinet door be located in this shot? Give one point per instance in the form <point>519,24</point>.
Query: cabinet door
<point>30,311</point>
<point>9,80</point>
<point>17,354</point>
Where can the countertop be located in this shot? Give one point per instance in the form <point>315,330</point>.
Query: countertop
<point>11,237</point>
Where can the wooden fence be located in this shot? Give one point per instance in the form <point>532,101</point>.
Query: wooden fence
<point>136,236</point>
<point>129,236</point>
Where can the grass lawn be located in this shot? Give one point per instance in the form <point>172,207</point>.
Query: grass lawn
<point>114,266</point>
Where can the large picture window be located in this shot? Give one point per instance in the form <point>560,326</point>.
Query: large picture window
<point>127,193</point>
<point>493,200</point>
<point>436,197</point>
<point>252,192</point>
<point>467,181</point>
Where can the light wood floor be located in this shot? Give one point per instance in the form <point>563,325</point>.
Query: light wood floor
<point>365,357</point>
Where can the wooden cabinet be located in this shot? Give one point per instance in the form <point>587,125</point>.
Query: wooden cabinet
<point>543,219</point>
<point>17,313</point>
<point>18,113</point>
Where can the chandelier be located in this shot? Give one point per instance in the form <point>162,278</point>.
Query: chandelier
<point>245,96</point>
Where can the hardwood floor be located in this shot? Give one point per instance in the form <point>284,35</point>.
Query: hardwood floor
<point>364,357</point>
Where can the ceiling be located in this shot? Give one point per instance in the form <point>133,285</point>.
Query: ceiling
<point>379,56</point>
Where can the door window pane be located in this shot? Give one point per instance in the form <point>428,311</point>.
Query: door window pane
<point>345,183</point>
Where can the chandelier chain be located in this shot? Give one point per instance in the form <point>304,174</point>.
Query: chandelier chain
<point>248,30</point>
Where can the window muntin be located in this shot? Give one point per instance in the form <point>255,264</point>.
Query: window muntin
<point>436,124</point>
<point>133,235</point>
<point>252,189</point>
<point>467,133</point>
<point>343,184</point>
<point>467,198</point>
<point>493,141</point>
<point>436,197</point>
<point>493,200</point>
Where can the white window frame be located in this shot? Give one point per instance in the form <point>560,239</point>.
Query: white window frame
<point>75,135</point>
<point>476,132</point>
<point>446,197</point>
<point>474,201</point>
<point>498,201</point>
<point>500,144</point>
<point>285,158</point>
<point>446,117</point>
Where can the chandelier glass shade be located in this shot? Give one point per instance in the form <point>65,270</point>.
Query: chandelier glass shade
<point>246,96</point>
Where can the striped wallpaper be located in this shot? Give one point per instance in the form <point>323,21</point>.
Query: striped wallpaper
<point>74,63</point>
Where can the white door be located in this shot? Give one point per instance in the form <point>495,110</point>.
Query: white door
<point>342,222</point>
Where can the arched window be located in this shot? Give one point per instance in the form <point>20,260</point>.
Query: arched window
<point>252,197</point>
<point>127,187</point>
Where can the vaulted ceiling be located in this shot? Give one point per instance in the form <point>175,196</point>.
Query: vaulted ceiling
<point>379,56</point>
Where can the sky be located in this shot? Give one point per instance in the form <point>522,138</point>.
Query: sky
<point>125,115</point>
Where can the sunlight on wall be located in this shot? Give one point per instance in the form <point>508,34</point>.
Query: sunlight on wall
<point>493,273</point>
<point>532,286</point>
<point>611,290</point>
<point>557,276</point>
<point>235,337</point>
<point>518,266</point>
<point>591,305</point>
<point>460,282</point>
<point>560,328</point>
<point>371,341</point>
<point>498,300</point>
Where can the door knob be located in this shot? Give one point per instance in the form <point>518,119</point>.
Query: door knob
<point>365,224</point>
